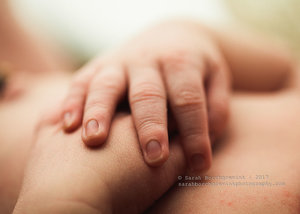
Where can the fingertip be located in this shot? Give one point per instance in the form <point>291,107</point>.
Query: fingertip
<point>93,133</point>
<point>200,162</point>
<point>95,140</point>
<point>69,121</point>
<point>199,156</point>
<point>156,153</point>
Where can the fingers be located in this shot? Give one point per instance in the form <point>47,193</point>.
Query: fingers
<point>218,92</point>
<point>125,148</point>
<point>74,103</point>
<point>106,89</point>
<point>148,104</point>
<point>188,103</point>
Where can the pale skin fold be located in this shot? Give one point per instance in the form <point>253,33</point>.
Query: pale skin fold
<point>64,176</point>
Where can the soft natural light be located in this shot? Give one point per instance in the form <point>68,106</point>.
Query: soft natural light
<point>95,25</point>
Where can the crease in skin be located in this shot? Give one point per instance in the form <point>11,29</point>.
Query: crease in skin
<point>2,83</point>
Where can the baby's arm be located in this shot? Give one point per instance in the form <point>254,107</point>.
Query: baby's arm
<point>64,176</point>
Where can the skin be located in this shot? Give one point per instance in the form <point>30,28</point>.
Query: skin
<point>59,162</point>
<point>156,68</point>
<point>24,61</point>
<point>167,71</point>
<point>262,139</point>
<point>28,89</point>
<point>112,179</point>
<point>21,107</point>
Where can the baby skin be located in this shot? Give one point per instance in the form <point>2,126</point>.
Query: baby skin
<point>65,176</point>
<point>183,64</point>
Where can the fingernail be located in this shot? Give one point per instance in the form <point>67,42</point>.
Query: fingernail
<point>153,150</point>
<point>198,162</point>
<point>91,128</point>
<point>68,119</point>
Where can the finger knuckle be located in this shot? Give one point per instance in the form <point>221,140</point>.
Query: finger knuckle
<point>145,92</point>
<point>97,109</point>
<point>102,92</point>
<point>178,59</point>
<point>188,100</point>
<point>175,56</point>
<point>75,95</point>
<point>194,133</point>
<point>73,102</point>
<point>110,77</point>
<point>151,125</point>
<point>111,87</point>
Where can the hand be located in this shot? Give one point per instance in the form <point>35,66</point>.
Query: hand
<point>173,62</point>
<point>63,176</point>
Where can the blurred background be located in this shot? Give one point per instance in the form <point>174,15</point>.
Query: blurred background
<point>87,27</point>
